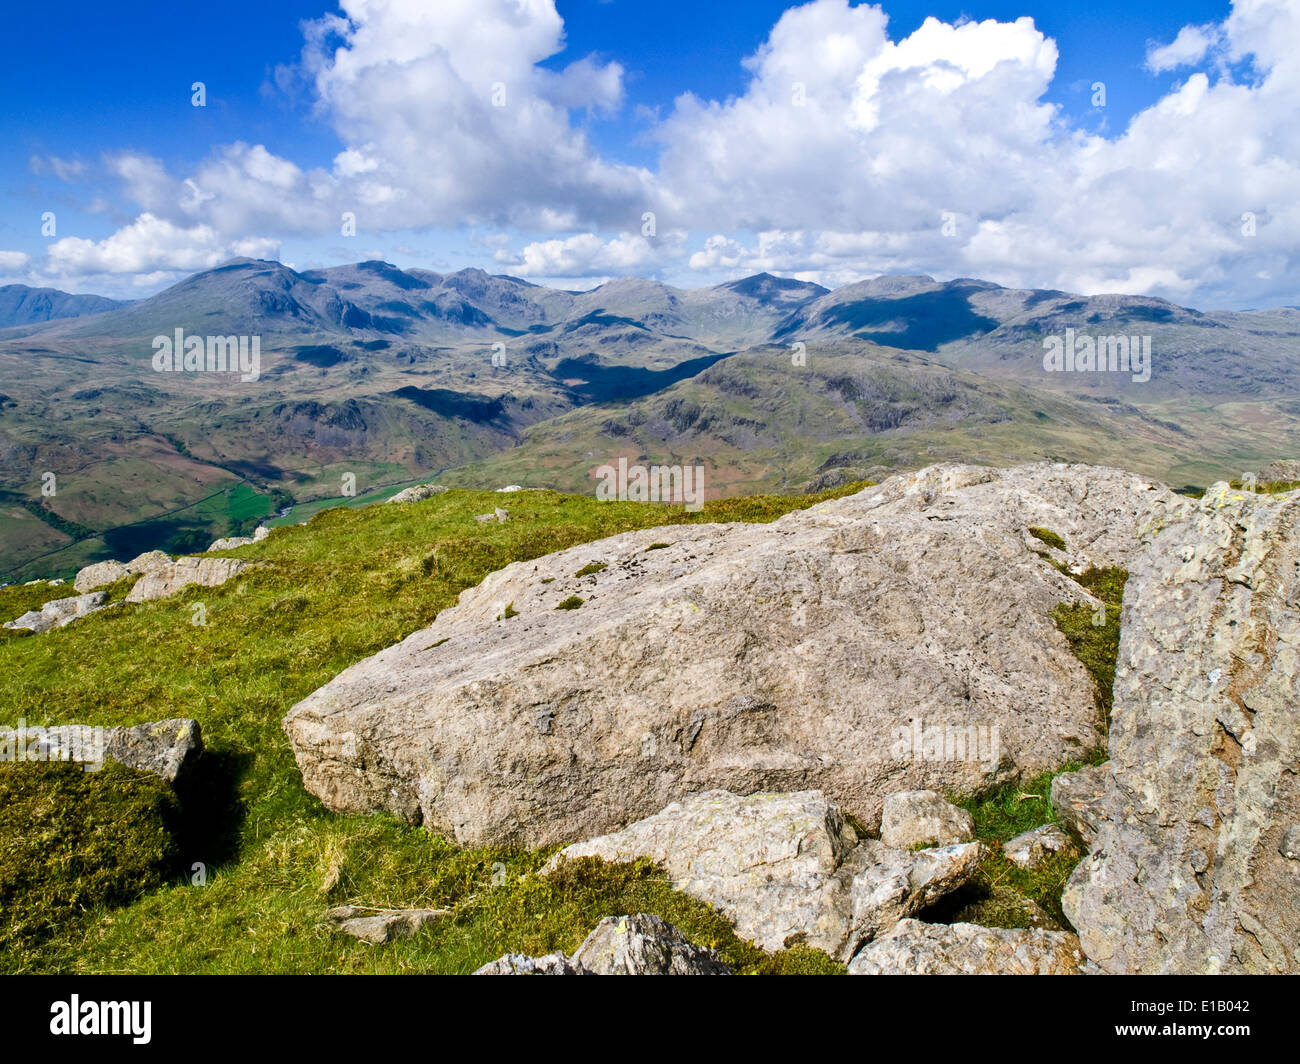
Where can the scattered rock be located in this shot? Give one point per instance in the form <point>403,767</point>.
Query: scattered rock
<point>919,819</point>
<point>101,574</point>
<point>381,925</point>
<point>901,638</point>
<point>59,612</point>
<point>510,487</point>
<point>166,580</point>
<point>517,964</point>
<point>167,748</point>
<point>149,562</point>
<point>644,945</point>
<point>785,868</point>
<point>916,948</point>
<point>231,542</point>
<point>1290,848</point>
<point>418,493</point>
<point>1186,873</point>
<point>1076,798</point>
<point>1034,848</point>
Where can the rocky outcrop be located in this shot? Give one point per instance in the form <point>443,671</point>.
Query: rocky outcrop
<point>149,562</point>
<point>1188,870</point>
<point>916,948</point>
<point>165,580</point>
<point>786,868</point>
<point>418,493</point>
<point>377,926</point>
<point>59,612</point>
<point>98,575</point>
<point>1034,848</point>
<point>917,819</point>
<point>897,639</point>
<point>167,748</point>
<point>643,944</point>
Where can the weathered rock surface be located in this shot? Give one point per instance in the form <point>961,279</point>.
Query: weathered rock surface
<point>1034,848</point>
<point>381,925</point>
<point>1186,872</point>
<point>519,964</point>
<point>1076,798</point>
<point>149,562</point>
<point>418,493</point>
<point>913,819</point>
<point>59,612</point>
<point>643,944</point>
<point>897,639</point>
<point>167,748</point>
<point>167,580</point>
<point>231,542</point>
<point>786,868</point>
<point>916,948</point>
<point>100,574</point>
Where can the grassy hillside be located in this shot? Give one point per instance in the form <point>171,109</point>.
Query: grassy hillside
<point>347,584</point>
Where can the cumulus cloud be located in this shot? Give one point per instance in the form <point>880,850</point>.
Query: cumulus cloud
<point>848,153</point>
<point>588,255</point>
<point>152,244</point>
<point>13,261</point>
<point>1191,45</point>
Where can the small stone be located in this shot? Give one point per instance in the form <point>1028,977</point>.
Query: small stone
<point>920,819</point>
<point>383,925</point>
<point>1034,848</point>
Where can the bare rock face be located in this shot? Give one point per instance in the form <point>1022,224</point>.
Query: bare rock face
<point>101,574</point>
<point>168,579</point>
<point>786,868</point>
<point>148,562</point>
<point>898,639</point>
<point>1187,872</point>
<point>59,612</point>
<point>916,948</point>
<point>913,819</point>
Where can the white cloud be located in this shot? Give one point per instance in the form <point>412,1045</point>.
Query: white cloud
<point>13,261</point>
<point>1191,45</point>
<point>151,244</point>
<point>588,255</point>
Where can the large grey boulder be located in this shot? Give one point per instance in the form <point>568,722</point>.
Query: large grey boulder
<point>149,562</point>
<point>100,574</point>
<point>898,639</point>
<point>168,579</point>
<point>915,819</point>
<point>59,612</point>
<point>167,748</point>
<point>785,868</point>
<point>916,948</point>
<point>1187,870</point>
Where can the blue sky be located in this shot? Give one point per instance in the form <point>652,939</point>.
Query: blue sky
<point>909,130</point>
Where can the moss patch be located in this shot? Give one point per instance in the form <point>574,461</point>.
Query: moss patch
<point>1046,535</point>
<point>573,602</point>
<point>591,568</point>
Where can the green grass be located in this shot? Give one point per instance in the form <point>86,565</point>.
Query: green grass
<point>1096,645</point>
<point>350,583</point>
<point>590,568</point>
<point>995,896</point>
<point>72,840</point>
<point>573,602</point>
<point>1046,535</point>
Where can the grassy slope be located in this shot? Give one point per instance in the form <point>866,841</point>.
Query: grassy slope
<point>349,584</point>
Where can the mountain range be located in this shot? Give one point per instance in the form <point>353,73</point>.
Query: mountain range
<point>372,377</point>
